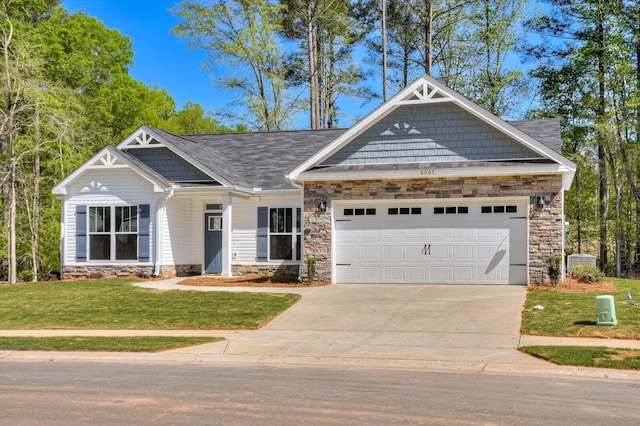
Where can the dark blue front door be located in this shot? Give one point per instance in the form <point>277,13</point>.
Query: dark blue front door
<point>212,243</point>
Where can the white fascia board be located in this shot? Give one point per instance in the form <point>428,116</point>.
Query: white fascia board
<point>450,96</point>
<point>60,188</point>
<point>347,175</point>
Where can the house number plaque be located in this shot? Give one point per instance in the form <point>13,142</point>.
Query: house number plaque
<point>427,172</point>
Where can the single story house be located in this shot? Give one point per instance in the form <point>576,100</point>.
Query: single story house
<point>427,188</point>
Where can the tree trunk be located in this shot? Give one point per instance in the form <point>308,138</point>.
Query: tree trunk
<point>428,30</point>
<point>35,227</point>
<point>602,161</point>
<point>314,84</point>
<point>384,50</point>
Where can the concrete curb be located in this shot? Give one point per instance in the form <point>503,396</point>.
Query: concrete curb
<point>297,361</point>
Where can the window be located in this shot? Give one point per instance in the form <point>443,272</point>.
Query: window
<point>348,212</point>
<point>499,209</point>
<point>284,239</point>
<point>359,212</point>
<point>371,212</point>
<point>451,210</point>
<point>113,233</point>
<point>404,210</point>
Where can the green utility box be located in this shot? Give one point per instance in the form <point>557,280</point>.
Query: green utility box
<point>606,310</point>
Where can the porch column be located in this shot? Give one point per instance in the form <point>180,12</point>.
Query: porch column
<point>227,224</point>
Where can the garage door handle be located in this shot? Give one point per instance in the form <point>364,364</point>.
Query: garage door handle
<point>426,249</point>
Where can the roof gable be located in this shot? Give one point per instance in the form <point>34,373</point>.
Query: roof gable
<point>111,158</point>
<point>430,133</point>
<point>426,92</point>
<point>175,158</point>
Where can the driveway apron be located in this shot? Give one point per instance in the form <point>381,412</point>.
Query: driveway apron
<point>465,323</point>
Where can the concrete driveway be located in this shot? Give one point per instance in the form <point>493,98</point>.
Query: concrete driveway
<point>462,324</point>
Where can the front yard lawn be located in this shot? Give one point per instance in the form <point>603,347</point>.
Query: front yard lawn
<point>574,314</point>
<point>106,344</point>
<point>587,356</point>
<point>117,304</point>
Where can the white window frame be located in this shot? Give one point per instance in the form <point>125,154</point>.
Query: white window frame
<point>113,233</point>
<point>296,231</point>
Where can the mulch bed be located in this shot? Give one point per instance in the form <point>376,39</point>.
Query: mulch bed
<point>575,286</point>
<point>245,281</point>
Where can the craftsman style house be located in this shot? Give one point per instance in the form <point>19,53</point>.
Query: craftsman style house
<point>428,188</point>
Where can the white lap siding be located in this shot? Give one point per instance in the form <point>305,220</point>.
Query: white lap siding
<point>106,187</point>
<point>245,223</point>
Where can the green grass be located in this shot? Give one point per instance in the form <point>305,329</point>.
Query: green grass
<point>117,304</point>
<point>574,314</point>
<point>587,356</point>
<point>106,344</point>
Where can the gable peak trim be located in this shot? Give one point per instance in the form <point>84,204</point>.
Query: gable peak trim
<point>141,138</point>
<point>425,93</point>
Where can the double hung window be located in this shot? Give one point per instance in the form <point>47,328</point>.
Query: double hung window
<point>113,233</point>
<point>284,234</point>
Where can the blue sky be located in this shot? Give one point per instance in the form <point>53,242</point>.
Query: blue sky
<point>165,60</point>
<point>160,58</point>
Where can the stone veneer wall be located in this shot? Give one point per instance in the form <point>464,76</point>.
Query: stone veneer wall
<point>110,271</point>
<point>545,226</point>
<point>289,272</point>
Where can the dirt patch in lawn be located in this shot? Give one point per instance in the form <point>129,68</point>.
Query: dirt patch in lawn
<point>245,281</point>
<point>575,286</point>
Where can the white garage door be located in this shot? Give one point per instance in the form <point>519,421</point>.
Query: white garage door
<point>457,242</point>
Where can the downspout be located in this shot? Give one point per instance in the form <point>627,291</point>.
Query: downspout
<point>157,253</point>
<point>300,186</point>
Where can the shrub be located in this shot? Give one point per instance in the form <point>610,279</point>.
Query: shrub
<point>587,274</point>
<point>554,269</point>
<point>311,265</point>
<point>26,276</point>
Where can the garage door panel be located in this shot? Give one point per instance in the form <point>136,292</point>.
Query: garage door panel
<point>439,252</point>
<point>370,234</point>
<point>393,274</point>
<point>394,252</point>
<point>348,253</point>
<point>462,273</point>
<point>472,247</point>
<point>461,233</point>
<point>371,273</point>
<point>417,273</point>
<point>439,274</point>
<point>464,253</point>
<point>368,253</point>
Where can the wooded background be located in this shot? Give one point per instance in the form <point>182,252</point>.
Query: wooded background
<point>67,93</point>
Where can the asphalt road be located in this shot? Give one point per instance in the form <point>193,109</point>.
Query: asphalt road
<point>83,393</point>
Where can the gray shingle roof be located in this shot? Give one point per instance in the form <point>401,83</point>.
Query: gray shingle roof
<point>254,160</point>
<point>261,160</point>
<point>546,130</point>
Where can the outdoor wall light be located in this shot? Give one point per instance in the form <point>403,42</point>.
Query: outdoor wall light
<point>322,206</point>
<point>540,201</point>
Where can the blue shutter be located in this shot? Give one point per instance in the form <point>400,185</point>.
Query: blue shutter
<point>263,233</point>
<point>81,233</point>
<point>143,232</point>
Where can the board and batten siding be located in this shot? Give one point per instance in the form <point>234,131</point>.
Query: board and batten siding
<point>106,188</point>
<point>245,223</point>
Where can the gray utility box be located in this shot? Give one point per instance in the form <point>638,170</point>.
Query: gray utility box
<point>580,259</point>
<point>606,310</point>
